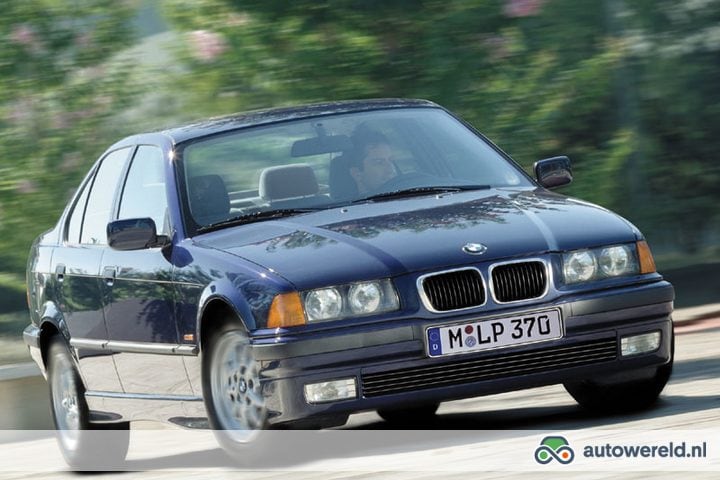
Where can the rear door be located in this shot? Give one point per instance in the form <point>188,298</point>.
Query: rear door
<point>76,267</point>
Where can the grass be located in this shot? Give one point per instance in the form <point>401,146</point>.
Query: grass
<point>680,260</point>
<point>695,285</point>
<point>696,277</point>
<point>13,350</point>
<point>12,347</point>
<point>12,292</point>
<point>13,324</point>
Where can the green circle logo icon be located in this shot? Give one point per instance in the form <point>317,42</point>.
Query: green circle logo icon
<point>554,448</point>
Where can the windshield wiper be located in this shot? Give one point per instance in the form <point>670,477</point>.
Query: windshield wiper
<point>256,217</point>
<point>415,191</point>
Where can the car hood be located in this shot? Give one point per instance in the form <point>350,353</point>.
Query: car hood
<point>383,239</point>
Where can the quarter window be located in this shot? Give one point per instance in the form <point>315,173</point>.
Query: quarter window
<point>100,202</point>
<point>75,222</point>
<point>144,192</point>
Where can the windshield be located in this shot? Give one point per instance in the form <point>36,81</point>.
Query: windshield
<point>323,162</point>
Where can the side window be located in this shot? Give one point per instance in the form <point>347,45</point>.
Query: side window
<point>144,192</point>
<point>100,201</point>
<point>75,221</point>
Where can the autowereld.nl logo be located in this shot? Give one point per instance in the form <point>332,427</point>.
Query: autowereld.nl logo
<point>554,448</point>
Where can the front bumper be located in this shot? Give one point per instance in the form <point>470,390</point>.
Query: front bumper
<point>392,370</point>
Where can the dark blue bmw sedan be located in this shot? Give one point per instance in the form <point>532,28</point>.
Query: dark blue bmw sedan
<point>289,267</point>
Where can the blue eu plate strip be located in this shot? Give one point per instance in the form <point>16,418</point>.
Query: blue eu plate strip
<point>434,344</point>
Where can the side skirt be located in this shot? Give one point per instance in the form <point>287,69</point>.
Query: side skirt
<point>112,407</point>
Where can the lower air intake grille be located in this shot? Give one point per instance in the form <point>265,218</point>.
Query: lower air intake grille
<point>513,282</point>
<point>488,368</point>
<point>454,290</point>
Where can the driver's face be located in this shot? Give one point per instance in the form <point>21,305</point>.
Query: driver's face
<point>378,167</point>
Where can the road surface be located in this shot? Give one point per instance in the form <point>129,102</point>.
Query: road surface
<point>497,433</point>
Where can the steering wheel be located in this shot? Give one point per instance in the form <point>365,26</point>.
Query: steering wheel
<point>403,181</point>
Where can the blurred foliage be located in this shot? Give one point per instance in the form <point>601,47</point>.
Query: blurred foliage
<point>627,89</point>
<point>12,293</point>
<point>57,89</point>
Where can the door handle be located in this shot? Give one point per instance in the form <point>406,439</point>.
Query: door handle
<point>60,272</point>
<point>109,274</point>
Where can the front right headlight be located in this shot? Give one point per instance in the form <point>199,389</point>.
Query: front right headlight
<point>333,303</point>
<point>612,261</point>
<point>350,300</point>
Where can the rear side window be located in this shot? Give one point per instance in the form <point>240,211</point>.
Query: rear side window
<point>144,192</point>
<point>75,222</point>
<point>100,202</point>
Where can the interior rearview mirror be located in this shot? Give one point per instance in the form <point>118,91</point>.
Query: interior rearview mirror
<point>321,145</point>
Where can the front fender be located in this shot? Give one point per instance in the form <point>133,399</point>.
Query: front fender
<point>248,297</point>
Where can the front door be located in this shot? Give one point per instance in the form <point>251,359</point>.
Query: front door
<point>139,293</point>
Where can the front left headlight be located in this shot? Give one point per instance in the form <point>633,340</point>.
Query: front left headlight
<point>579,266</point>
<point>323,303</point>
<point>600,263</point>
<point>616,261</point>
<point>365,298</point>
<point>351,300</point>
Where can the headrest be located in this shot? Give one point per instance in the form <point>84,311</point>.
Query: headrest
<point>209,199</point>
<point>288,181</point>
<point>342,185</point>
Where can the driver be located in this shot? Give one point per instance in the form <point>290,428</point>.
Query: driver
<point>371,163</point>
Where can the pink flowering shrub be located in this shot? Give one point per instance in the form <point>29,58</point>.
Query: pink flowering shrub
<point>523,8</point>
<point>24,35</point>
<point>206,46</point>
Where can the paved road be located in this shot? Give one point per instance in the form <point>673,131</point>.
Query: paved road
<point>690,407</point>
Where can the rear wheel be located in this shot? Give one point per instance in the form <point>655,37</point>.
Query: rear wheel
<point>231,388</point>
<point>84,445</point>
<point>409,415</point>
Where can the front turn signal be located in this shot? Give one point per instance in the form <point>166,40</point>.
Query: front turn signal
<point>647,263</point>
<point>286,311</point>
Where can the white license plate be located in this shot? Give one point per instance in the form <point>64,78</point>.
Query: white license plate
<point>494,333</point>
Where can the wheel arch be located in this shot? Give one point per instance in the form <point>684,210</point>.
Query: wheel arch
<point>52,324</point>
<point>243,296</point>
<point>216,311</point>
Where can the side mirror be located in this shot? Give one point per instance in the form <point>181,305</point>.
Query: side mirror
<point>553,172</point>
<point>132,234</point>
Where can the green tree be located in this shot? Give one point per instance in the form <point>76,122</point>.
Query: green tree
<point>58,88</point>
<point>678,57</point>
<point>541,77</point>
<point>538,79</point>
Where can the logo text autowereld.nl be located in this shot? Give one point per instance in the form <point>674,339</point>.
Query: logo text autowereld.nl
<point>668,450</point>
<point>558,448</point>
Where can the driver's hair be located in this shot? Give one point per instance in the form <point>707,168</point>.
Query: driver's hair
<point>362,140</point>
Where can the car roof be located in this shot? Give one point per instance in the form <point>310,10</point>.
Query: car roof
<point>262,117</point>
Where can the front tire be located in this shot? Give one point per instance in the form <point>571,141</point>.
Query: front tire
<point>84,445</point>
<point>232,391</point>
<point>410,415</point>
<point>622,397</point>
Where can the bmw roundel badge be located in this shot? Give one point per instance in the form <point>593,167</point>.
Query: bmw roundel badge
<point>474,248</point>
